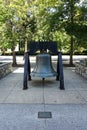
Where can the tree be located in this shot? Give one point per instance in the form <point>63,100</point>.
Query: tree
<point>9,27</point>
<point>69,13</point>
<point>18,22</point>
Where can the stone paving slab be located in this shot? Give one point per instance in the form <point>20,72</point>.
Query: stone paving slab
<point>20,117</point>
<point>67,117</point>
<point>63,97</point>
<point>25,117</point>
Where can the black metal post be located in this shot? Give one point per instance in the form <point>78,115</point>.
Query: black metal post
<point>57,77</point>
<point>61,71</point>
<point>25,71</point>
<point>29,76</point>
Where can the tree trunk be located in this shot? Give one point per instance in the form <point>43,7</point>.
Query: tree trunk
<point>25,48</point>
<point>3,51</point>
<point>14,63</point>
<point>72,39</point>
<point>71,51</point>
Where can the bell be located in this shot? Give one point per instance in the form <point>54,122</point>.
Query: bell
<point>43,67</point>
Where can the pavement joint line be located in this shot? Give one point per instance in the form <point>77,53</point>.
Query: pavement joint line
<point>4,100</point>
<point>82,96</point>
<point>43,95</point>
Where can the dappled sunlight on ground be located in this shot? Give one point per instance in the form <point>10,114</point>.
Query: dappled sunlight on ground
<point>18,70</point>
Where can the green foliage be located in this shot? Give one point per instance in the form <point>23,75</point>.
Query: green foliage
<point>78,30</point>
<point>46,20</point>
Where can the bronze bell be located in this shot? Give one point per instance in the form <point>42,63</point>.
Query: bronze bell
<point>43,67</point>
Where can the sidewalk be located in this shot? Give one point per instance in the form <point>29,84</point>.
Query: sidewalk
<point>19,108</point>
<point>11,89</point>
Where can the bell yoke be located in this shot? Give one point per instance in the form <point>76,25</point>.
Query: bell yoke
<point>43,66</point>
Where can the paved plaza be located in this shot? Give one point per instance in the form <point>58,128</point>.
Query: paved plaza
<point>19,108</point>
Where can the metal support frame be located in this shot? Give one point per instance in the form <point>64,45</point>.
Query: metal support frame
<point>34,46</point>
